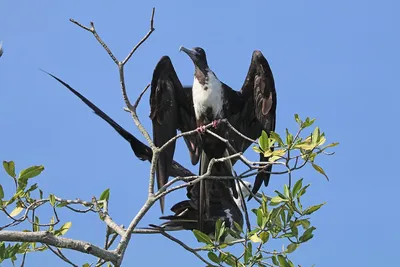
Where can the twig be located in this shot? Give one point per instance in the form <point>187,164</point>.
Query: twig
<point>59,254</point>
<point>107,219</point>
<point>92,29</point>
<point>143,39</point>
<point>170,237</point>
<point>23,260</point>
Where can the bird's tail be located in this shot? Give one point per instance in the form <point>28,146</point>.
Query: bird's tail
<point>185,217</point>
<point>201,194</point>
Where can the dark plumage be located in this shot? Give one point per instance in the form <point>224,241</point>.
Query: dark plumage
<point>142,151</point>
<point>173,107</point>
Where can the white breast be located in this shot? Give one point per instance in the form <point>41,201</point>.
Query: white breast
<point>210,98</point>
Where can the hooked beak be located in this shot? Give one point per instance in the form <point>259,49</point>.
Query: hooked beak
<point>191,53</point>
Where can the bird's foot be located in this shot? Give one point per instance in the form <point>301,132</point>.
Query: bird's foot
<point>215,123</point>
<point>201,129</point>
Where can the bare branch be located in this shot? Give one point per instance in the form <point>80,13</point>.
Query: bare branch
<point>143,39</point>
<point>140,97</point>
<point>60,242</point>
<point>107,219</point>
<point>92,29</point>
<point>194,251</point>
<point>59,254</point>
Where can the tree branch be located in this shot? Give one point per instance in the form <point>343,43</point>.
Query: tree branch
<point>60,242</point>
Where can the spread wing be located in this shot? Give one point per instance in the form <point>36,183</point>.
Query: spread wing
<point>258,111</point>
<point>142,151</point>
<point>171,109</point>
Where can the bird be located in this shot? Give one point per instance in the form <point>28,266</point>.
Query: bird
<point>186,214</point>
<point>141,151</point>
<point>175,107</point>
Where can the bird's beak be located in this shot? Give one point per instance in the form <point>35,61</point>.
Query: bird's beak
<point>191,53</point>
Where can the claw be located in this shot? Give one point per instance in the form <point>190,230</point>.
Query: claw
<point>215,123</point>
<point>201,129</point>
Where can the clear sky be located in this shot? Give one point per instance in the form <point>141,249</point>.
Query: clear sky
<point>336,61</point>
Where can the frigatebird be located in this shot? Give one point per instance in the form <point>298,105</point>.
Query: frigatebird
<point>174,107</point>
<point>141,151</point>
<point>223,206</point>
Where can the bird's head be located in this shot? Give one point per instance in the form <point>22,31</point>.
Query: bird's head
<point>198,56</point>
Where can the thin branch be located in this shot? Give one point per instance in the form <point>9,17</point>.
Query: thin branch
<point>143,39</point>
<point>92,29</point>
<point>23,260</point>
<point>170,237</point>
<point>59,254</point>
<point>140,97</point>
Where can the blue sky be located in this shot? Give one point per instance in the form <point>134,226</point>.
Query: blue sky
<point>334,61</point>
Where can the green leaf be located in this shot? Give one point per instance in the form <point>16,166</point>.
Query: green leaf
<point>287,235</point>
<point>202,238</point>
<point>294,229</point>
<point>62,204</point>
<point>27,174</point>
<point>247,253</point>
<point>303,222</point>
<point>296,117</point>
<point>51,226</point>
<point>264,236</point>
<point>30,172</point>
<point>263,141</point>
<point>16,211</point>
<point>282,261</point>
<point>320,170</point>
<point>86,265</point>
<point>275,260</point>
<point>36,227</point>
<point>229,259</point>
<point>259,218</point>
<point>312,209</point>
<point>307,234</point>
<point>331,145</point>
<point>321,140</point>
<point>280,194</point>
<point>9,166</point>
<point>307,123</point>
<point>289,137</point>
<point>254,238</point>
<point>213,257</point>
<point>297,186</point>
<point>305,145</point>
<point>32,188</point>
<point>64,229</point>
<point>1,192</point>
<point>277,138</point>
<point>105,195</point>
<point>238,227</point>
<point>277,200</point>
<point>291,247</point>
<point>286,191</point>
<point>52,200</point>
<point>219,229</point>
<point>257,149</point>
<point>302,191</point>
<point>315,135</point>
